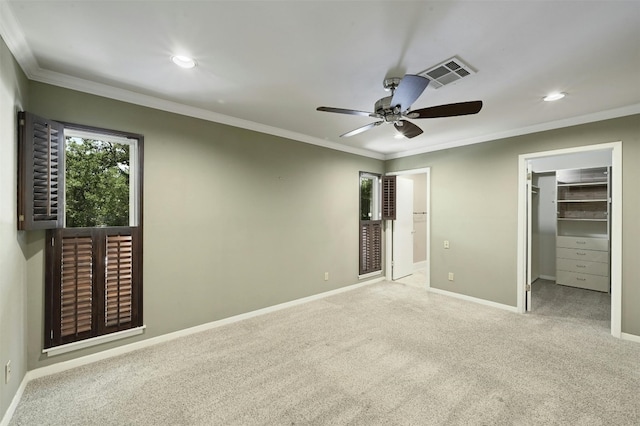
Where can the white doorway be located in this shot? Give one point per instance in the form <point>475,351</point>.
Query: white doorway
<point>402,230</point>
<point>524,224</point>
<point>399,260</point>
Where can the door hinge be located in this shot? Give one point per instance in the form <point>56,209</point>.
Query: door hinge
<point>51,334</point>
<point>21,218</point>
<point>529,176</point>
<point>527,287</point>
<point>21,122</point>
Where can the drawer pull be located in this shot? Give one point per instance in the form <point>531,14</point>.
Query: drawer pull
<point>581,242</point>
<point>581,279</point>
<point>581,253</point>
<point>581,266</point>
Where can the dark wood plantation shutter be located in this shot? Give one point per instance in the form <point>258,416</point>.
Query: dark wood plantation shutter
<point>96,285</point>
<point>41,173</point>
<point>76,289</point>
<point>120,280</point>
<point>370,246</point>
<point>389,198</point>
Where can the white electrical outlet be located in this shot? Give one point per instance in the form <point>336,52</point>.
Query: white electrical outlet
<point>450,276</point>
<point>7,372</point>
<point>326,276</point>
<point>446,244</point>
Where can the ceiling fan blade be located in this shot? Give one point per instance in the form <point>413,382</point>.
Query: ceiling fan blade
<point>449,110</point>
<point>345,111</point>
<point>408,91</point>
<point>407,128</point>
<point>361,129</point>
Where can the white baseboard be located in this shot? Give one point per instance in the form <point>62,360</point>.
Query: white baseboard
<point>474,299</point>
<point>547,277</point>
<point>630,337</point>
<point>109,353</point>
<point>419,265</point>
<point>14,402</point>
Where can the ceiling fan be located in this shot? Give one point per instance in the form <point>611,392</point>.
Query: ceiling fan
<point>391,109</point>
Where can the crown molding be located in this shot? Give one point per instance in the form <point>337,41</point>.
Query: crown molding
<point>104,90</point>
<point>551,125</point>
<point>15,40</point>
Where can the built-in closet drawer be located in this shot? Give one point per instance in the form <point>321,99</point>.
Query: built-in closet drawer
<point>590,282</point>
<point>586,255</point>
<point>583,267</point>
<point>583,243</point>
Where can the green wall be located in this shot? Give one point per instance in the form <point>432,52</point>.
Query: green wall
<point>474,201</point>
<point>234,220</point>
<point>13,275</point>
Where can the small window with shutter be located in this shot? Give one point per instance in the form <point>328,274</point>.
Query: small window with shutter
<point>84,185</point>
<point>377,203</point>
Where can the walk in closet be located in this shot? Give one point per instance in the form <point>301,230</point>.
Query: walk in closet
<point>571,229</point>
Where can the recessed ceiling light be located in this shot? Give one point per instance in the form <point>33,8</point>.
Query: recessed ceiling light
<point>183,61</point>
<point>554,96</point>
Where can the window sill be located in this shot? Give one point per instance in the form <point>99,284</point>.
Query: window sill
<point>94,341</point>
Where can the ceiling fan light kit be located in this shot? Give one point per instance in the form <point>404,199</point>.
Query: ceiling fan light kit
<point>394,108</point>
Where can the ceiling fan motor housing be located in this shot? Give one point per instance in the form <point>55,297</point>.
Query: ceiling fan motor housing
<point>385,111</point>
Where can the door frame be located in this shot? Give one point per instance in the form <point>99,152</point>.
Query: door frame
<point>616,225</point>
<point>388,231</point>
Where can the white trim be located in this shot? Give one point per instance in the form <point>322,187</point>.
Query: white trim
<point>109,353</point>
<point>94,341</point>
<point>388,236</point>
<point>558,124</point>
<point>15,40</point>
<point>630,337</point>
<point>473,299</point>
<point>616,225</point>
<point>616,240</point>
<point>14,402</point>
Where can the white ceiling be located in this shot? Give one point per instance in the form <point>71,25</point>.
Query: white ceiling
<point>266,65</point>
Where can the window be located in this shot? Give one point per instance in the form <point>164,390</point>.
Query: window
<point>377,203</point>
<point>370,224</point>
<point>84,185</point>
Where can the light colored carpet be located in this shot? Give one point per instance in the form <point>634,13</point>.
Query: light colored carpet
<point>386,353</point>
<point>592,308</point>
<point>417,279</point>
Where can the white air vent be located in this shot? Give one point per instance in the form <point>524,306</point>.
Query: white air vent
<point>447,72</point>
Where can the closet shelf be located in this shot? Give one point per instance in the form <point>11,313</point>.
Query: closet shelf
<point>582,219</point>
<point>588,200</point>
<point>583,184</point>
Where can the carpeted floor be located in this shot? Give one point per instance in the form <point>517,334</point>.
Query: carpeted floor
<point>387,353</point>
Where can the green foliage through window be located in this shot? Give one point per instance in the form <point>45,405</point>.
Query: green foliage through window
<point>97,183</point>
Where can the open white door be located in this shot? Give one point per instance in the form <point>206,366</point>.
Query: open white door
<point>402,265</point>
<point>529,234</point>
